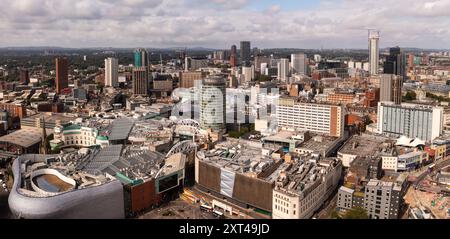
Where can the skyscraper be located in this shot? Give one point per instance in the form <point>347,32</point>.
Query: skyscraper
<point>233,57</point>
<point>140,81</point>
<point>374,51</point>
<point>212,103</point>
<point>141,58</point>
<point>395,63</point>
<point>260,59</point>
<point>24,76</point>
<point>283,70</point>
<point>391,88</point>
<point>299,64</point>
<point>245,53</point>
<point>62,74</point>
<point>248,72</point>
<point>111,72</point>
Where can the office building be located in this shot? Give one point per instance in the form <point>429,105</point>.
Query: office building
<point>411,120</point>
<point>62,74</point>
<point>187,79</point>
<point>212,103</point>
<point>304,187</point>
<point>140,81</point>
<point>248,73</point>
<point>141,58</point>
<point>233,56</point>
<point>395,63</point>
<point>111,72</point>
<point>293,114</point>
<point>193,64</point>
<point>374,52</point>
<point>299,63</point>
<point>24,76</point>
<point>391,88</point>
<point>245,53</point>
<point>259,60</point>
<point>283,70</point>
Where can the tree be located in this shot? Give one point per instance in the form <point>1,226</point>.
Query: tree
<point>263,78</point>
<point>356,213</point>
<point>410,96</point>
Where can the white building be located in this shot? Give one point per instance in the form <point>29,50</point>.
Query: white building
<point>411,120</point>
<point>317,58</point>
<point>283,70</point>
<point>315,117</point>
<point>374,52</point>
<point>300,199</point>
<point>264,67</point>
<point>248,73</point>
<point>298,63</point>
<point>111,72</point>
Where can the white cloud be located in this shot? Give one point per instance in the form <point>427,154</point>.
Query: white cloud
<point>221,23</point>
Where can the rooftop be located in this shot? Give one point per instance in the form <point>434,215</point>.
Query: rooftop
<point>305,174</point>
<point>25,137</point>
<point>363,145</point>
<point>237,156</point>
<point>120,129</point>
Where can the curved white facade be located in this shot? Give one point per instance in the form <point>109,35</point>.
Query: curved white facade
<point>100,202</point>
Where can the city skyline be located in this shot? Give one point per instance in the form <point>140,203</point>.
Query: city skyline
<point>193,23</point>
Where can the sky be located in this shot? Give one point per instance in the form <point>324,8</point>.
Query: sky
<point>306,24</point>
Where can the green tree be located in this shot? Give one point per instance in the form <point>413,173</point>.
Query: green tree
<point>356,213</point>
<point>263,78</point>
<point>410,96</point>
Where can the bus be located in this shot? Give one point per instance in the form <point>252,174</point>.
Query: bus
<point>218,214</point>
<point>206,208</point>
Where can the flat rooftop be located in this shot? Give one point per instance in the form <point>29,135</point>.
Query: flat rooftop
<point>319,142</point>
<point>362,145</point>
<point>51,118</point>
<point>237,156</point>
<point>25,137</point>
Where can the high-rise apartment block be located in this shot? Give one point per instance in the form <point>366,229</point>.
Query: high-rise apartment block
<point>233,56</point>
<point>299,63</point>
<point>111,72</point>
<point>248,73</point>
<point>391,88</point>
<point>140,81</point>
<point>374,52</point>
<point>24,76</point>
<point>283,70</point>
<point>62,74</point>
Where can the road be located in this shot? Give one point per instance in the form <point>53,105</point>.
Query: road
<point>327,208</point>
<point>438,167</point>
